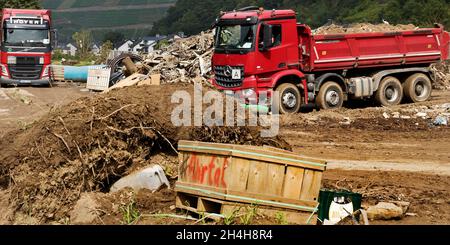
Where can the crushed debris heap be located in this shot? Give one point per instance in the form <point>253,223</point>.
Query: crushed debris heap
<point>91,143</point>
<point>183,60</point>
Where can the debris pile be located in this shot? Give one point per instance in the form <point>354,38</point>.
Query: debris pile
<point>185,59</point>
<point>91,143</point>
<point>441,72</point>
<point>361,27</point>
<point>438,115</point>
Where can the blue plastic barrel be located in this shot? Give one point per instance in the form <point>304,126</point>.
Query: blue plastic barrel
<point>78,73</point>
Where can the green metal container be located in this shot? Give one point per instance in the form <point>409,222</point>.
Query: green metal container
<point>326,197</point>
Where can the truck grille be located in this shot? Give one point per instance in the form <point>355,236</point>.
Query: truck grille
<point>27,60</point>
<point>225,80</point>
<point>25,72</point>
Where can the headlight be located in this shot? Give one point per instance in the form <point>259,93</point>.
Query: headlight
<point>3,71</point>
<point>12,60</point>
<point>41,60</point>
<point>248,93</point>
<point>45,73</point>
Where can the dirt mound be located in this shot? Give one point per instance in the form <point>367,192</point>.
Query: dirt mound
<point>92,142</point>
<point>361,27</point>
<point>124,207</point>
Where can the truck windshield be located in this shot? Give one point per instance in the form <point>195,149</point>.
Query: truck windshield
<point>26,37</point>
<point>235,37</point>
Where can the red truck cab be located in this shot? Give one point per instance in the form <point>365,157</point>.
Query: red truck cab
<point>25,47</point>
<point>260,50</point>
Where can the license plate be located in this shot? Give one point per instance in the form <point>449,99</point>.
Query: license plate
<point>25,81</point>
<point>236,74</point>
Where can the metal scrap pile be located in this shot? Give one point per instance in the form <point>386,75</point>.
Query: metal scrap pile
<point>183,60</point>
<point>361,27</point>
<point>442,73</point>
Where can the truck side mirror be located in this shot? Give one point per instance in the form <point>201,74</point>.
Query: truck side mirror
<point>54,38</point>
<point>267,37</point>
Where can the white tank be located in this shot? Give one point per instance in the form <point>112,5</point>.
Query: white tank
<point>339,209</point>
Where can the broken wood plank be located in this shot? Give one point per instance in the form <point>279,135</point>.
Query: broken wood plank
<point>127,82</point>
<point>129,64</point>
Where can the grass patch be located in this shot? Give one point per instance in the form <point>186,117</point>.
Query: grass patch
<point>130,213</point>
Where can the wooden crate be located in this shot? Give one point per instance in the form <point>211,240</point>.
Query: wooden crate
<point>57,73</point>
<point>219,209</point>
<point>251,175</point>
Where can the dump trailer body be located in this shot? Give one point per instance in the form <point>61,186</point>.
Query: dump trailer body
<point>369,50</point>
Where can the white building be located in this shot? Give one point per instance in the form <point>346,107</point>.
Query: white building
<point>95,49</point>
<point>126,46</point>
<point>70,49</point>
<point>147,44</point>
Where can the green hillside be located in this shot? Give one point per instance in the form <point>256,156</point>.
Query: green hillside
<point>65,4</point>
<point>193,16</point>
<point>133,18</point>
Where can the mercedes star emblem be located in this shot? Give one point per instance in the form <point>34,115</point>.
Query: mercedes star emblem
<point>228,71</point>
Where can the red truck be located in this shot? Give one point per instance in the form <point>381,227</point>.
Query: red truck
<point>258,50</point>
<point>25,47</point>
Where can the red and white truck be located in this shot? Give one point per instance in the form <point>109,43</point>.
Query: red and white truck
<point>258,50</point>
<point>25,46</point>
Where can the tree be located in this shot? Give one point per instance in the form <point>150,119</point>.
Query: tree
<point>20,4</point>
<point>161,44</point>
<point>83,41</point>
<point>116,38</point>
<point>191,16</point>
<point>104,52</point>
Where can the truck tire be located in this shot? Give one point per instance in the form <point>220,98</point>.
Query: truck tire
<point>417,88</point>
<point>330,97</point>
<point>289,100</point>
<point>390,92</point>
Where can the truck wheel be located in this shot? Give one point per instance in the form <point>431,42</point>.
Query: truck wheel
<point>330,96</point>
<point>390,92</point>
<point>417,88</point>
<point>290,99</point>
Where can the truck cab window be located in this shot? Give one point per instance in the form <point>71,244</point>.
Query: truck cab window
<point>276,35</point>
<point>26,36</point>
<point>236,37</point>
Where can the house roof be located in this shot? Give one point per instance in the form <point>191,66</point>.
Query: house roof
<point>70,44</point>
<point>136,42</point>
<point>155,38</point>
<point>125,42</point>
<point>118,45</point>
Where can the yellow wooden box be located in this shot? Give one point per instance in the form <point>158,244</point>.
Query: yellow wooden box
<point>264,176</point>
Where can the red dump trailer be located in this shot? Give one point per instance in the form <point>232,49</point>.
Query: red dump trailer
<point>264,51</point>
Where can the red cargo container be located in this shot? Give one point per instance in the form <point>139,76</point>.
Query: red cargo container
<point>362,50</point>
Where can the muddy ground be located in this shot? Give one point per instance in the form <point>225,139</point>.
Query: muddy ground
<point>21,106</point>
<point>369,137</point>
<point>368,150</point>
